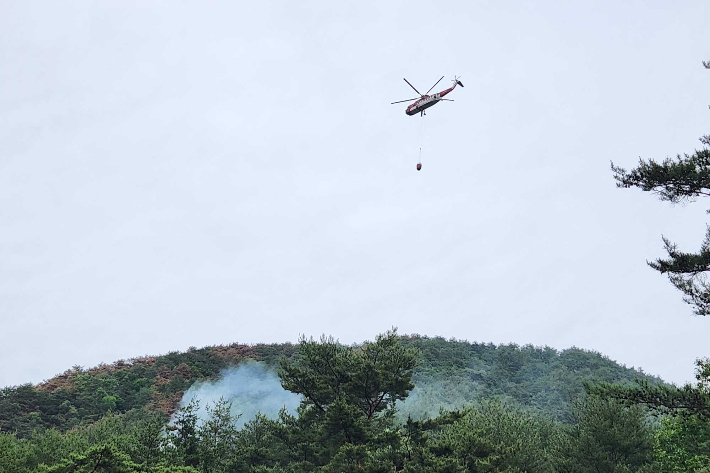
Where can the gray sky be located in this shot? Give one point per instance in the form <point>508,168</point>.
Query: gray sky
<point>196,173</point>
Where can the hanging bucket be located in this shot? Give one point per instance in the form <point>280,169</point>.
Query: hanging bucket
<point>419,166</point>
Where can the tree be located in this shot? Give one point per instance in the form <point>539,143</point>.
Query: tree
<point>103,458</point>
<point>51,446</point>
<point>218,436</point>
<point>184,437</point>
<point>607,436</point>
<point>349,395</point>
<point>148,440</point>
<point>682,444</point>
<point>13,454</point>
<point>489,437</point>
<point>425,451</point>
<point>688,400</point>
<point>521,438</point>
<point>258,446</point>
<point>369,379</point>
<point>682,179</point>
<point>683,441</point>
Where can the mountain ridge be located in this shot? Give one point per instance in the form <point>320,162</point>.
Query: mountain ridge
<point>451,373</point>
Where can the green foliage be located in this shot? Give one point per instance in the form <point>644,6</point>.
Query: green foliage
<point>346,419</point>
<point>13,454</point>
<point>183,435</point>
<point>147,439</point>
<point>453,374</point>
<point>218,436</point>
<point>693,400</point>
<point>370,378</point>
<point>682,444</point>
<point>50,446</point>
<point>24,408</point>
<point>682,179</point>
<point>80,396</point>
<point>686,271</point>
<point>607,436</point>
<point>675,180</point>
<point>521,438</point>
<point>449,374</point>
<point>104,458</point>
<point>489,437</point>
<point>347,422</point>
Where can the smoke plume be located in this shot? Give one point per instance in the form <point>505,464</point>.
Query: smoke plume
<point>251,387</point>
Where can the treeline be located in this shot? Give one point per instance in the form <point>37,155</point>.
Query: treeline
<point>79,396</point>
<point>450,374</point>
<point>453,374</point>
<point>346,423</point>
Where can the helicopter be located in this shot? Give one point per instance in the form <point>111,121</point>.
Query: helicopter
<point>425,101</point>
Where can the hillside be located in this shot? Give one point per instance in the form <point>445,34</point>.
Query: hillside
<point>450,374</point>
<point>454,373</point>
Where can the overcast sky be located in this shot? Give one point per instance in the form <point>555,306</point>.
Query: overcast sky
<point>178,174</point>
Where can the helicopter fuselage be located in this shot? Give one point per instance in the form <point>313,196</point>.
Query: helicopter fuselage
<point>427,101</point>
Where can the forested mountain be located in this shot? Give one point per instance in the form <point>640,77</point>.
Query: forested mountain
<point>527,410</point>
<point>450,374</point>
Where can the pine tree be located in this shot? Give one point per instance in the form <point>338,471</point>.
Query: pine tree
<point>689,400</point>
<point>369,379</point>
<point>148,440</point>
<point>218,438</point>
<point>184,436</point>
<point>349,394</point>
<point>605,437</point>
<point>678,180</point>
<point>103,458</point>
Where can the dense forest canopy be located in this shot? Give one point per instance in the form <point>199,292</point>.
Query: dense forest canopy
<point>450,374</point>
<point>348,420</point>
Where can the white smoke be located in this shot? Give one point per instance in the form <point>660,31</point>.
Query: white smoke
<point>251,387</point>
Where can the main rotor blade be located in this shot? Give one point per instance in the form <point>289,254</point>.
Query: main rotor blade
<point>448,100</point>
<point>410,85</point>
<point>434,85</point>
<point>400,101</point>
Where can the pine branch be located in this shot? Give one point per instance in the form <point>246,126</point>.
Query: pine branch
<point>671,399</point>
<point>682,179</point>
